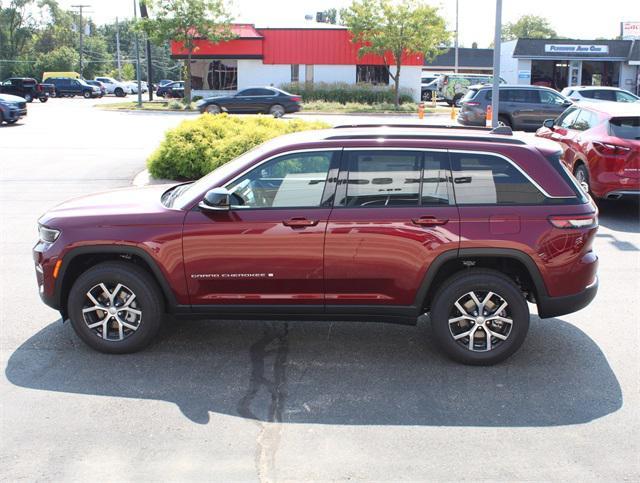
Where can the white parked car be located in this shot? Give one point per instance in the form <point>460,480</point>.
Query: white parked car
<point>134,86</point>
<point>599,93</point>
<point>112,86</point>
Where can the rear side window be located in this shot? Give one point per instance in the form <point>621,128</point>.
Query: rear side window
<point>547,97</point>
<point>480,179</point>
<point>622,96</point>
<point>625,127</point>
<point>602,94</point>
<point>397,178</point>
<point>471,93</point>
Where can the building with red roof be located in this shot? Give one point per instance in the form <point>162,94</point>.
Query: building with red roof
<point>312,52</point>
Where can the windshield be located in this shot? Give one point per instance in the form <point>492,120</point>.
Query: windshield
<point>625,127</point>
<point>185,195</point>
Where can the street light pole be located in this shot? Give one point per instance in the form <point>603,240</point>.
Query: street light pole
<point>135,17</point>
<point>456,47</point>
<point>495,91</point>
<point>80,7</point>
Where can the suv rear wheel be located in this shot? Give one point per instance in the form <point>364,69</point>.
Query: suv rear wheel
<point>87,94</point>
<point>582,176</point>
<point>115,307</point>
<point>479,317</point>
<point>119,92</point>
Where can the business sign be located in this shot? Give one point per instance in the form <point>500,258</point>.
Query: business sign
<point>631,30</point>
<point>524,74</point>
<point>576,49</point>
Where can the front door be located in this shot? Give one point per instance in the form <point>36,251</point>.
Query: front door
<point>394,215</point>
<point>268,248</point>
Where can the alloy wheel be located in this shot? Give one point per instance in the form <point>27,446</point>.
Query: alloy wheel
<point>480,321</point>
<point>277,111</point>
<point>111,311</point>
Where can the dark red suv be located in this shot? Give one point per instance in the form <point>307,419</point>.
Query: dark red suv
<point>375,223</point>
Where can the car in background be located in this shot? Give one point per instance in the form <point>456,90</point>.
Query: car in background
<point>428,87</point>
<point>133,85</point>
<point>103,89</point>
<point>12,108</point>
<point>600,146</point>
<point>453,87</point>
<point>112,86</point>
<point>599,93</point>
<point>254,100</point>
<point>522,107</point>
<point>172,89</point>
<point>27,88</point>
<point>164,82</point>
<point>67,87</point>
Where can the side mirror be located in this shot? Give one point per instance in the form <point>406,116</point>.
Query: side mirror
<point>216,199</point>
<point>567,103</point>
<point>549,123</point>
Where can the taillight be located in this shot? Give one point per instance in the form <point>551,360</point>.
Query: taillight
<point>608,149</point>
<point>574,221</point>
<point>296,98</point>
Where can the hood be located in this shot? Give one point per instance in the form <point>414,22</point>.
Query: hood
<point>120,206</point>
<point>10,98</point>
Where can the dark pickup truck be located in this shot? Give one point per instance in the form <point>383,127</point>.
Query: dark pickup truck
<point>27,88</point>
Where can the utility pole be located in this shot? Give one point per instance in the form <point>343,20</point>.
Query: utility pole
<point>495,92</point>
<point>118,49</point>
<point>145,14</point>
<point>455,69</point>
<point>135,17</point>
<point>80,7</point>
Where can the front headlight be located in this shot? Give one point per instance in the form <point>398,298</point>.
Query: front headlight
<point>48,235</point>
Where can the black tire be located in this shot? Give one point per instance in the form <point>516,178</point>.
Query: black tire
<point>212,109</point>
<point>456,99</point>
<point>481,281</point>
<point>13,121</point>
<point>86,95</point>
<point>44,99</point>
<point>148,301</point>
<point>581,174</point>
<point>119,92</point>
<point>28,97</point>
<point>56,93</point>
<point>505,120</point>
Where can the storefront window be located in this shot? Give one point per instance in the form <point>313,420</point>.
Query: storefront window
<point>600,73</point>
<point>372,74</point>
<point>223,75</point>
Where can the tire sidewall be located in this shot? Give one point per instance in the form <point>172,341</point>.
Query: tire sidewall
<point>147,295</point>
<point>457,287</point>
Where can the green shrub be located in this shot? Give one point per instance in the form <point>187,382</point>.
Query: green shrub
<point>198,146</point>
<point>353,107</point>
<point>196,98</point>
<point>175,105</point>
<point>342,92</point>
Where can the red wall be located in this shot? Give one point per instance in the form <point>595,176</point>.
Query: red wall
<point>296,46</point>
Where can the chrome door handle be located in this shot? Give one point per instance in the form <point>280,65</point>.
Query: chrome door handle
<point>299,222</point>
<point>430,221</point>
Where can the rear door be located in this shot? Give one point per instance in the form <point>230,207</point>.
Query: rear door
<point>393,215</point>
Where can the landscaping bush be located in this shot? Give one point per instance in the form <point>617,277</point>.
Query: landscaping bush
<point>342,92</point>
<point>197,147</point>
<point>175,105</point>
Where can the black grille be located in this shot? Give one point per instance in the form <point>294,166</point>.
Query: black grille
<point>22,105</point>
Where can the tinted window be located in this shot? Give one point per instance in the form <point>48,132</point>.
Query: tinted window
<point>488,179</point>
<point>514,95</point>
<point>435,175</point>
<point>292,180</point>
<point>602,94</point>
<point>625,97</point>
<point>567,118</point>
<point>250,92</point>
<point>625,127</point>
<point>383,178</point>
<point>547,97</point>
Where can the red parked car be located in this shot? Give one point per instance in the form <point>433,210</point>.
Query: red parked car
<point>600,146</point>
<point>357,223</point>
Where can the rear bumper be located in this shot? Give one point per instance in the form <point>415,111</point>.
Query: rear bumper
<point>617,194</point>
<point>556,306</point>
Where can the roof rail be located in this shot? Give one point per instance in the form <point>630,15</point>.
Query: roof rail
<point>503,130</point>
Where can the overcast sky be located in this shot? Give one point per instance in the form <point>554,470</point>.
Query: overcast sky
<point>570,18</point>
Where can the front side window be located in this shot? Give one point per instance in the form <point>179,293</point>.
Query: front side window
<point>567,118</point>
<point>288,181</point>
<point>480,179</point>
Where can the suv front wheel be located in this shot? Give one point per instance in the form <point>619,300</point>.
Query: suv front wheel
<point>479,317</point>
<point>115,307</point>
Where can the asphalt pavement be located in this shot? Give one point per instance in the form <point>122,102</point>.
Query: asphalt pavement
<point>267,401</point>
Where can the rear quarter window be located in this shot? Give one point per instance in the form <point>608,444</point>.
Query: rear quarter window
<point>625,127</point>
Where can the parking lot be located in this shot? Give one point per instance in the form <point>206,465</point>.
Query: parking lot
<point>294,400</point>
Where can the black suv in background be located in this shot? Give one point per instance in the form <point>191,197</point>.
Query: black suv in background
<point>67,87</point>
<point>27,88</point>
<point>521,107</point>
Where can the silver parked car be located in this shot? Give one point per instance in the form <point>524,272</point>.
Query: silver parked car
<point>599,93</point>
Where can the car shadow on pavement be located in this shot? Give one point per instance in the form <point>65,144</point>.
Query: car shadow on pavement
<point>620,215</point>
<point>332,373</point>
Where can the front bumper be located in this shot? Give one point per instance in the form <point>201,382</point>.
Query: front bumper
<point>16,114</point>
<point>556,306</point>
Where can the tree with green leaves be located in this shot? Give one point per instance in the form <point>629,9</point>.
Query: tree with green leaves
<point>528,27</point>
<point>186,21</point>
<point>393,29</point>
